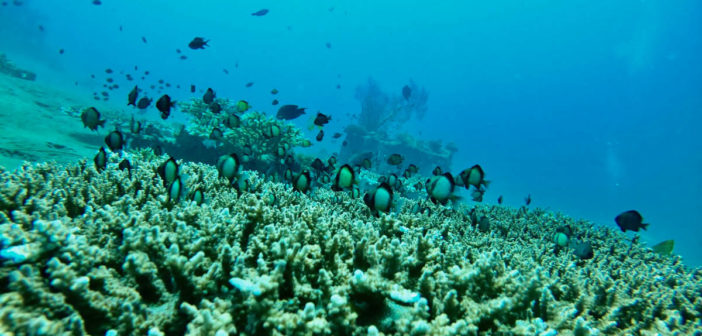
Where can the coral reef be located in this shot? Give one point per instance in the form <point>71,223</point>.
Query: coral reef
<point>84,252</point>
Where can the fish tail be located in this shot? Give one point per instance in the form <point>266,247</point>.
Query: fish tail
<point>644,225</point>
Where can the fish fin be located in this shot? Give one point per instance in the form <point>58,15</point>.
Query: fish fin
<point>101,123</point>
<point>486,183</point>
<point>644,225</point>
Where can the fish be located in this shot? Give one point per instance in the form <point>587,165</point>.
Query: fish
<point>226,72</point>
<point>484,224</point>
<point>475,176</point>
<point>232,121</point>
<point>395,159</point>
<point>301,182</point>
<point>192,88</point>
<point>477,195</point>
<point>135,126</point>
<point>406,92</point>
<point>412,169</point>
<point>175,189</point>
<point>261,12</point>
<point>332,160</point>
<point>143,103</point>
<point>197,196</point>
<point>115,141</point>
<point>143,39</point>
<point>217,134</point>
<point>321,119</point>
<point>272,131</point>
<point>379,199</point>
<point>91,119</point>
<point>61,51</point>
<point>664,248</point>
<point>366,163</point>
<point>228,166</point>
<point>198,43</point>
<point>242,106</point>
<point>249,84</point>
<point>289,112</point>
<point>274,102</point>
<point>126,165</point>
<point>393,180</point>
<point>164,105</point>
<point>209,96</point>
<point>288,175</point>
<point>499,199</point>
<point>527,200</point>
<point>320,135</point>
<point>274,91</point>
<point>108,70</point>
<point>215,108</point>
<point>132,97</point>
<point>440,188</point>
<point>437,171</point>
<point>630,220</point>
<point>582,250</point>
<point>100,159</point>
<point>336,135</point>
<point>328,45</point>
<point>168,171</point>
<point>324,179</point>
<point>345,178</point>
<point>318,165</point>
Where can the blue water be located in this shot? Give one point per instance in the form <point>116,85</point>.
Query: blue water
<point>592,107</point>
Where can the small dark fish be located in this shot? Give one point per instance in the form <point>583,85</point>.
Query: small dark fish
<point>274,91</point>
<point>318,165</point>
<point>41,28</point>
<point>249,84</point>
<point>338,86</point>
<point>97,2</point>
<point>61,51</point>
<point>108,70</point>
<point>367,164</point>
<point>121,28</point>
<point>228,166</point>
<point>321,119</point>
<point>100,160</point>
<point>630,220</point>
<point>178,51</point>
<point>183,57</point>
<point>344,143</point>
<point>135,126</point>
<point>126,165</point>
<point>168,171</point>
<point>412,169</point>
<point>380,199</point>
<point>582,250</point>
<point>198,43</point>
<point>215,108</point>
<point>261,12</point>
<point>91,119</point>
<point>275,102</point>
<point>143,39</point>
<point>406,92</point>
<point>395,159</point>
<point>115,141</point>
<point>336,135</point>
<point>217,134</point>
<point>440,188</point>
<point>499,199</point>
<point>164,105</point>
<point>328,45</point>
<point>289,112</point>
<point>527,200</point>
<point>232,121</point>
<point>225,71</point>
<point>192,88</point>
<point>302,182</point>
<point>209,96</point>
<point>144,102</point>
<point>320,135</point>
<point>437,171</point>
<point>131,99</point>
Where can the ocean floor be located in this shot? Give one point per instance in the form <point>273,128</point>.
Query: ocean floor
<point>113,252</point>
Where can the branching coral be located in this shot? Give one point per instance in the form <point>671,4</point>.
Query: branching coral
<point>113,258</point>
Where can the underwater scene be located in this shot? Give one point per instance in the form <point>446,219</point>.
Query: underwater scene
<point>344,167</point>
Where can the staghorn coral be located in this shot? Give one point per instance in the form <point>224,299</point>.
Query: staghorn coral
<point>84,252</point>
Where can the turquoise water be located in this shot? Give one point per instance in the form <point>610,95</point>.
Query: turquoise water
<point>592,108</point>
